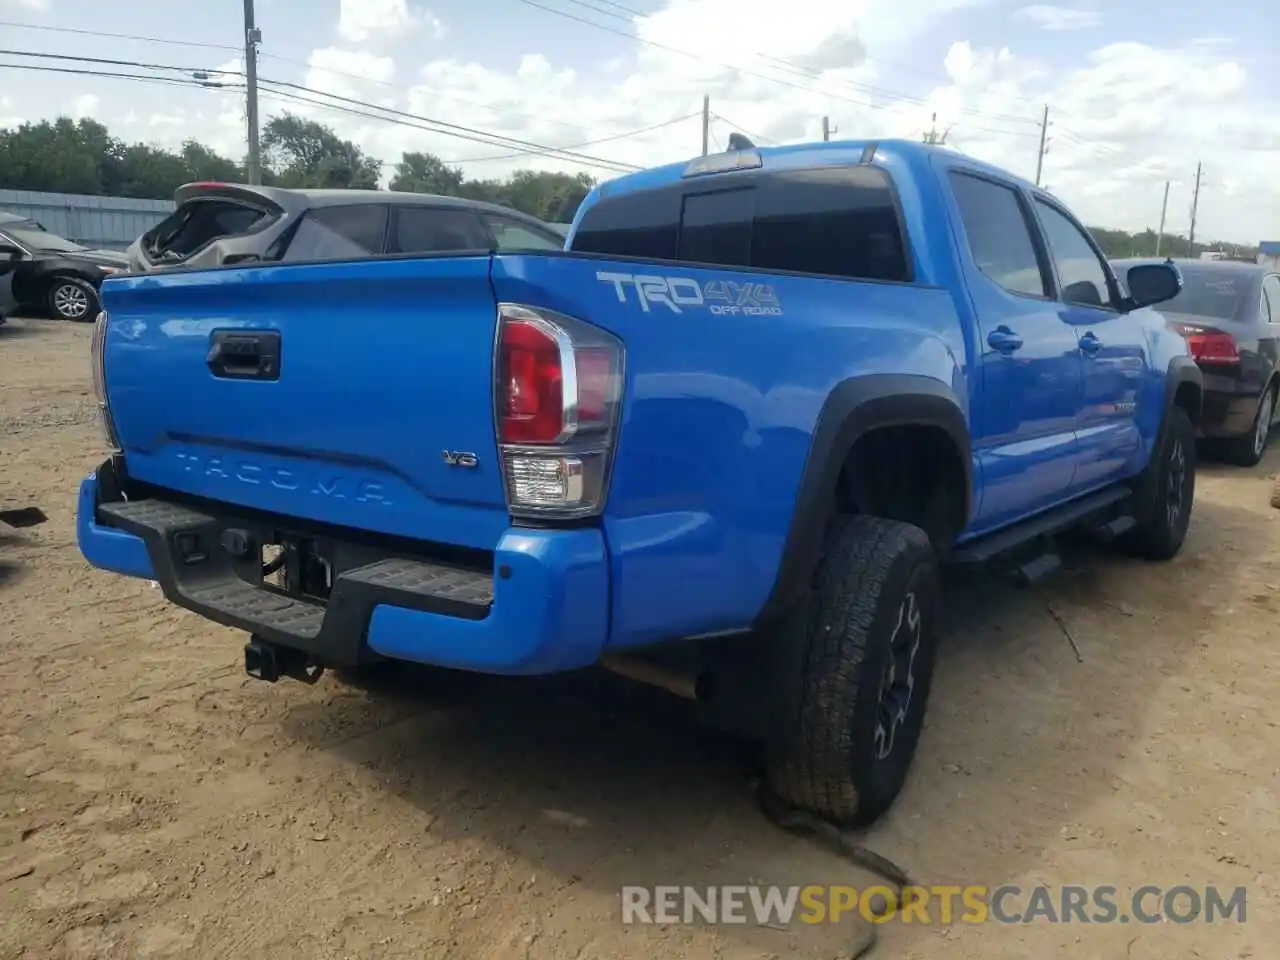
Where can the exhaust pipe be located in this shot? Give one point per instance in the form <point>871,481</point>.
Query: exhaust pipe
<point>264,660</point>
<point>686,685</point>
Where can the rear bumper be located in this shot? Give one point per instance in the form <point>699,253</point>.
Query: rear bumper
<point>543,607</point>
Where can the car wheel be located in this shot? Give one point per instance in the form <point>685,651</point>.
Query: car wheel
<point>1166,493</point>
<point>72,299</point>
<point>1247,451</point>
<point>854,666</point>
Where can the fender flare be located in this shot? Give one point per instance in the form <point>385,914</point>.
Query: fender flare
<point>854,408</point>
<point>1182,370</point>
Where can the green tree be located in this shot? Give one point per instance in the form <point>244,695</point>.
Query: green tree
<point>426,173</point>
<point>306,153</point>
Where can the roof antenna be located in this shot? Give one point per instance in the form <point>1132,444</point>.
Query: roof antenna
<point>738,142</point>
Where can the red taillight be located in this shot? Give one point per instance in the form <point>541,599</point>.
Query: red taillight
<point>558,383</point>
<point>1213,347</point>
<point>532,383</point>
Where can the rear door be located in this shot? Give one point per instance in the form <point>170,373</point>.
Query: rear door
<point>1112,348</point>
<point>1025,423</point>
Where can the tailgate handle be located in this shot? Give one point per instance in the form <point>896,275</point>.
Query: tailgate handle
<point>245,355</point>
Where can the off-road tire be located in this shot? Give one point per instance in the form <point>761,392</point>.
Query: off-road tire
<point>1161,530</point>
<point>1248,450</point>
<point>832,657</point>
<point>67,296</point>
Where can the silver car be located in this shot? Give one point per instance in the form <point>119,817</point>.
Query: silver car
<point>217,224</point>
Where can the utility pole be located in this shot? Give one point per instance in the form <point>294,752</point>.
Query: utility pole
<point>1164,208</point>
<point>252,37</point>
<point>826,129</point>
<point>706,119</point>
<point>1195,205</point>
<point>1044,143</point>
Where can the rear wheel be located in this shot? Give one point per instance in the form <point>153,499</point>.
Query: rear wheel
<point>1247,451</point>
<point>855,665</point>
<point>70,298</point>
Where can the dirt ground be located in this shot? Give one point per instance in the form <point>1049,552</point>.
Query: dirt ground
<point>154,802</point>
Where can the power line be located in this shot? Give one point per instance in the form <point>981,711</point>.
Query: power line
<point>171,81</point>
<point>456,131</point>
<point>118,63</point>
<point>778,63</point>
<point>199,79</point>
<point>900,64</point>
<point>118,36</point>
<point>737,126</point>
<point>586,143</point>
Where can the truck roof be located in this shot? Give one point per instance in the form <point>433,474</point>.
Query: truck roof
<point>820,154</point>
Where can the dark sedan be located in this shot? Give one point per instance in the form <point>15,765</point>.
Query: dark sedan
<point>1229,313</point>
<point>41,272</point>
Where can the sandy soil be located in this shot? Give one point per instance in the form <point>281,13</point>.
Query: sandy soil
<point>156,803</point>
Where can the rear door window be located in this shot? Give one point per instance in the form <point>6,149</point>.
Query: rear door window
<point>998,234</point>
<point>510,234</point>
<point>437,230</point>
<point>835,222</point>
<point>197,223</point>
<point>353,232</point>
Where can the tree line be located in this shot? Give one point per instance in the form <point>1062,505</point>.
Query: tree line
<point>81,156</point>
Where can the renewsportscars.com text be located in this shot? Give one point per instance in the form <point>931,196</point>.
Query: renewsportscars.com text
<point>1007,904</point>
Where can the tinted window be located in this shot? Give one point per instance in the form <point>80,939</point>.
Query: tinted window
<point>836,221</point>
<point>839,222</point>
<point>716,227</point>
<point>438,230</point>
<point>998,236</point>
<point>642,224</point>
<point>339,233</point>
<point>510,234</point>
<point>1080,270</point>
<point>1271,299</point>
<point>1209,293</point>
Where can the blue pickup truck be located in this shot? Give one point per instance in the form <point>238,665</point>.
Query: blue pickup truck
<point>724,442</point>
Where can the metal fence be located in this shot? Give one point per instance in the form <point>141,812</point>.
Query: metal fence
<point>112,222</point>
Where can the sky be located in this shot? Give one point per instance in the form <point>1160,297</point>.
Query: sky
<point>1137,94</point>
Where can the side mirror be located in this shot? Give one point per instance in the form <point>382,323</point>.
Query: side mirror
<point>1151,283</point>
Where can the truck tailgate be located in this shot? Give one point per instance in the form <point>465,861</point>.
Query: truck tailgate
<point>358,394</point>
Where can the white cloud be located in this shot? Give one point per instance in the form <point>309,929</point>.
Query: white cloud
<point>374,21</point>
<point>1124,118</point>
<point>1129,117</point>
<point>85,105</point>
<point>38,6</point>
<point>1049,17</point>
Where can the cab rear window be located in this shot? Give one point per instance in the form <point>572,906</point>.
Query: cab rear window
<point>830,221</point>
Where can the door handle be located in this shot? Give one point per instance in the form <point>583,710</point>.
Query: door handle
<point>244,354</point>
<point>1090,344</point>
<point>1004,339</point>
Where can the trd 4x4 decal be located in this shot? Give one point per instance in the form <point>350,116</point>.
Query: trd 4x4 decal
<point>719,297</point>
